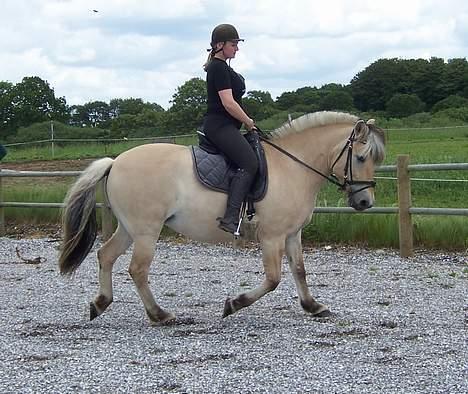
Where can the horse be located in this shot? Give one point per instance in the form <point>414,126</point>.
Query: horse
<point>153,185</point>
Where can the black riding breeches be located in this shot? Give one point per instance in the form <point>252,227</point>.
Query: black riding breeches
<point>233,144</point>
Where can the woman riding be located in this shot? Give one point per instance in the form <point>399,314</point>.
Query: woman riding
<point>224,118</point>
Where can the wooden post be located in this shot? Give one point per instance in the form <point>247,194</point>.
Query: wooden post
<point>404,204</point>
<point>2,210</point>
<point>106,216</point>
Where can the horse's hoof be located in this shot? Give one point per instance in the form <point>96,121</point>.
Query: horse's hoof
<point>316,309</point>
<point>93,313</point>
<point>228,308</point>
<point>168,319</point>
<point>324,313</point>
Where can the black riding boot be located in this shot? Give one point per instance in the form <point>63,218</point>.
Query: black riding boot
<point>240,186</point>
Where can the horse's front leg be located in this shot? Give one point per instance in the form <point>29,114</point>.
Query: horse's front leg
<point>272,252</point>
<point>296,265</point>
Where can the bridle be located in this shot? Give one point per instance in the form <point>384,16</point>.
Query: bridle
<point>348,180</point>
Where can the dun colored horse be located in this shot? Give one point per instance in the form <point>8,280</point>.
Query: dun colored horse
<point>154,185</point>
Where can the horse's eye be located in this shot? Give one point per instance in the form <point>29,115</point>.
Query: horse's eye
<point>361,159</point>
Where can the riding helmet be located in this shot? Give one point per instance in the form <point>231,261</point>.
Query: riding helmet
<point>224,32</point>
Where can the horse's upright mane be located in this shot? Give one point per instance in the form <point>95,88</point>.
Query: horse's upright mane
<point>311,120</point>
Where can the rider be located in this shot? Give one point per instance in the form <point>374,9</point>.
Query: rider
<point>224,118</point>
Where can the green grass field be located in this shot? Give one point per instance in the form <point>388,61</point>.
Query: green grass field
<point>424,146</point>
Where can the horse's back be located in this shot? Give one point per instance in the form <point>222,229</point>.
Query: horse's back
<point>150,154</point>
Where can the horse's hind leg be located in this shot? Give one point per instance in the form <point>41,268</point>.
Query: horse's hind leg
<point>109,252</point>
<point>296,265</point>
<point>143,254</point>
<point>272,253</point>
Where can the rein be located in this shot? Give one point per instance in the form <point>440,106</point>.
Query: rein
<point>348,170</point>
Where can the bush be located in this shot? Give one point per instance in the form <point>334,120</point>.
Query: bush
<point>401,105</point>
<point>453,101</point>
<point>454,115</point>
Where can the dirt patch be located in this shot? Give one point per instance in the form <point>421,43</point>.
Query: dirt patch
<point>44,165</point>
<point>48,165</point>
<point>33,230</point>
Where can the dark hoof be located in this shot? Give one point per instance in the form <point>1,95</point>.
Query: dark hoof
<point>325,313</point>
<point>93,313</point>
<point>163,319</point>
<point>228,308</point>
<point>170,322</point>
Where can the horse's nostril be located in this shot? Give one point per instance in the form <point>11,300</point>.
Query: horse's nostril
<point>364,204</point>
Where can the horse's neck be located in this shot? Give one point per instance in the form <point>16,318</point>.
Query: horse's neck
<point>316,146</point>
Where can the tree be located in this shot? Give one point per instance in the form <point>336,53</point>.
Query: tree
<point>336,97</point>
<point>306,97</point>
<point>258,104</point>
<point>426,78</point>
<point>131,106</point>
<point>188,107</point>
<point>373,87</point>
<point>401,105</point>
<point>146,123</point>
<point>455,78</point>
<point>337,101</point>
<point>287,100</point>
<point>6,108</point>
<point>30,101</point>
<point>91,114</point>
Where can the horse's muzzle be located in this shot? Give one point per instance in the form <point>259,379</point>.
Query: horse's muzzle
<point>361,199</point>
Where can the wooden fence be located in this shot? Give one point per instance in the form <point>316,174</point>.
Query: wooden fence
<point>404,209</point>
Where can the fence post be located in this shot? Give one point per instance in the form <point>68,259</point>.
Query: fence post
<point>404,204</point>
<point>106,216</point>
<point>2,209</point>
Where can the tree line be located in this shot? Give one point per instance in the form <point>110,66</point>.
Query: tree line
<point>386,89</point>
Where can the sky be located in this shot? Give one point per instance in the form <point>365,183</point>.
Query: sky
<point>148,48</point>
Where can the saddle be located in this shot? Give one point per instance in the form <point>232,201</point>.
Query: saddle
<point>215,171</point>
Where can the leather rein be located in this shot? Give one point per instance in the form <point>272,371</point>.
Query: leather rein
<point>348,180</point>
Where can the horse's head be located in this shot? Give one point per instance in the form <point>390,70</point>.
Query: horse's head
<point>355,163</point>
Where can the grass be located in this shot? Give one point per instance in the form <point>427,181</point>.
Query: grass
<point>424,146</point>
<point>82,150</point>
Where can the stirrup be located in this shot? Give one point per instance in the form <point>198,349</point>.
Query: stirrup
<point>237,232</point>
<point>241,217</point>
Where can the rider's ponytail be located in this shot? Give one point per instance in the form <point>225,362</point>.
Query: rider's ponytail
<point>210,58</point>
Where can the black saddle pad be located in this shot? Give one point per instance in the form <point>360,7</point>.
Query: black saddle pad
<point>215,171</point>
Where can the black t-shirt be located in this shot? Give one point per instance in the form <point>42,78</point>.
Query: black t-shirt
<point>220,76</point>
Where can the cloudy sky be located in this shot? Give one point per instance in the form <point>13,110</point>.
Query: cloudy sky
<point>147,48</point>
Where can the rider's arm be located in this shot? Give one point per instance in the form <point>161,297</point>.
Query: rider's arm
<point>234,109</point>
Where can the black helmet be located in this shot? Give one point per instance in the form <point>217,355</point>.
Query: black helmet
<point>224,32</point>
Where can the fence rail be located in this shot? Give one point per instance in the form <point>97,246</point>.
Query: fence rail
<point>404,209</point>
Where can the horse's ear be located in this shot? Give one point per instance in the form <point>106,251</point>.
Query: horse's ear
<point>361,130</point>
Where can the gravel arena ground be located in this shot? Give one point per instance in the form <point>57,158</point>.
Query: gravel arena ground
<point>399,325</point>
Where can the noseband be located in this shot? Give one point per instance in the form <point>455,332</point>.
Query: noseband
<point>348,180</point>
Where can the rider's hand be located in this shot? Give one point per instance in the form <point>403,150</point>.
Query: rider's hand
<point>250,125</point>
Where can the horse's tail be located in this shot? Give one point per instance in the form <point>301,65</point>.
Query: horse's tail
<point>79,216</point>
